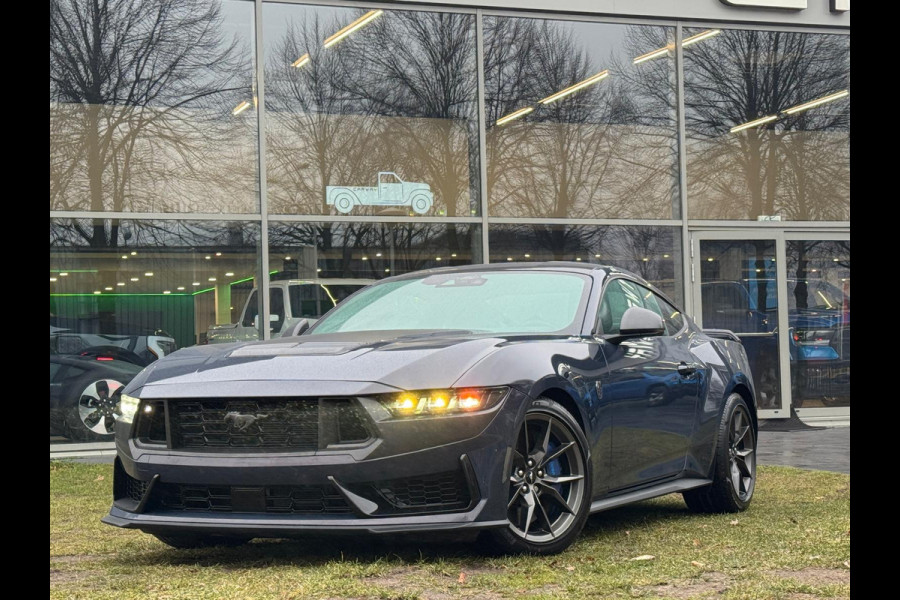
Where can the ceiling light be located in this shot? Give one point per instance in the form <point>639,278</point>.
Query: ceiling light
<point>167,291</point>
<point>700,37</point>
<point>813,103</point>
<point>148,274</point>
<point>63,274</point>
<point>437,258</point>
<point>124,257</point>
<point>287,258</point>
<point>509,258</point>
<point>710,259</point>
<point>208,257</point>
<point>108,288</point>
<point>574,88</point>
<point>196,283</point>
<point>180,287</point>
<point>229,274</point>
<point>212,279</point>
<point>527,256</point>
<point>120,284</point>
<point>645,259</point>
<point>134,278</point>
<point>453,255</point>
<point>365,258</point>
<point>578,259</point>
<point>665,256</point>
<point>515,115</point>
<point>835,260</point>
<point>754,123</point>
<point>318,270</point>
<point>97,292</point>
<point>387,270</point>
<point>133,253</point>
<point>301,61</point>
<point>650,55</point>
<point>53,279</point>
<point>244,105</point>
<point>360,22</point>
<point>218,254</point>
<point>378,254</point>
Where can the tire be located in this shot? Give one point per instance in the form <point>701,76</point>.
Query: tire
<point>551,528</point>
<point>343,204</point>
<point>88,414</point>
<point>421,204</point>
<point>734,465</point>
<point>197,540</point>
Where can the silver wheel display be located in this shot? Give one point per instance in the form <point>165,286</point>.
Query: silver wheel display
<point>97,404</point>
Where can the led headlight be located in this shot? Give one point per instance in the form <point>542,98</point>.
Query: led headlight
<point>433,403</point>
<point>127,408</point>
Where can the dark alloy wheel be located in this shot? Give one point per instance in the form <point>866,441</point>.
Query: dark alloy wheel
<point>549,483</point>
<point>734,471</point>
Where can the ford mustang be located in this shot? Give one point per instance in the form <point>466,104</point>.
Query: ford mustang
<point>513,399</point>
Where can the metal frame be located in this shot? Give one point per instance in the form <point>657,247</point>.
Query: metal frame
<point>784,366</point>
<point>263,267</point>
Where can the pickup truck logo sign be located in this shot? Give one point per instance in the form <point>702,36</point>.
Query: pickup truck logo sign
<point>389,190</point>
<point>242,422</point>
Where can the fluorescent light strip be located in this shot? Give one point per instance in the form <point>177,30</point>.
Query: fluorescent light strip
<point>756,123</point>
<point>700,37</point>
<point>818,102</point>
<point>654,54</point>
<point>515,115</point>
<point>244,105</point>
<point>574,88</point>
<point>301,61</point>
<point>360,22</point>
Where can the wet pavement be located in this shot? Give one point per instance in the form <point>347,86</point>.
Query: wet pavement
<point>826,449</point>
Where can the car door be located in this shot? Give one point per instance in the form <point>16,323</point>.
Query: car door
<point>653,401</point>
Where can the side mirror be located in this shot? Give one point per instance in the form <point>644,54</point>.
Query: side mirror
<point>297,328</point>
<point>640,322</point>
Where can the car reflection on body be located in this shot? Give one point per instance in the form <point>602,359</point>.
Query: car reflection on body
<point>514,400</point>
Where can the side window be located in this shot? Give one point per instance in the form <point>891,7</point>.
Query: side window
<point>276,307</point>
<point>671,315</point>
<point>304,301</point>
<point>619,296</point>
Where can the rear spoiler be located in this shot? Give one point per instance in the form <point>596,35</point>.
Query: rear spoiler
<point>722,334</point>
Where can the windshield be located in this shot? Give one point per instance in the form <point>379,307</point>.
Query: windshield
<point>500,302</point>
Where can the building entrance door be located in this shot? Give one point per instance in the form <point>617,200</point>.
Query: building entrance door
<point>738,283</point>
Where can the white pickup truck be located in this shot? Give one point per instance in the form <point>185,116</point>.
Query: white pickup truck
<point>289,301</point>
<point>389,190</point>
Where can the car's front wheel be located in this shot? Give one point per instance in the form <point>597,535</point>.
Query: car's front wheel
<point>549,483</point>
<point>734,471</point>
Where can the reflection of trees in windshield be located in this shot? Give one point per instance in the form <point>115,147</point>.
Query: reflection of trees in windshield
<point>142,94</point>
<point>796,165</point>
<point>396,95</point>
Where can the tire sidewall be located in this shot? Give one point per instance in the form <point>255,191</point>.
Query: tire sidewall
<point>723,464</point>
<point>505,540</point>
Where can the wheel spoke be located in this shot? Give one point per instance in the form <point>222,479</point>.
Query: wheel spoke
<point>742,435</point>
<point>556,452</point>
<point>564,479</point>
<point>514,498</point>
<point>527,444</point>
<point>736,426</point>
<point>546,518</point>
<point>551,492</point>
<point>529,503</point>
<point>735,476</point>
<point>741,460</point>
<point>545,445</point>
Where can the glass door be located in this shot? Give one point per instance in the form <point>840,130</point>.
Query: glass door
<point>818,286</point>
<point>739,285</point>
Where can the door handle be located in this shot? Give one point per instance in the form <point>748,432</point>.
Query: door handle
<point>686,370</point>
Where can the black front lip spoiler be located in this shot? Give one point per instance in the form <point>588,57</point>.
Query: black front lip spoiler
<point>278,526</point>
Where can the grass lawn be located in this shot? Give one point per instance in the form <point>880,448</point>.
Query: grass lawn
<point>793,543</point>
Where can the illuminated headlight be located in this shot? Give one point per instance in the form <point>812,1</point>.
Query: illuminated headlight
<point>433,403</point>
<point>127,408</point>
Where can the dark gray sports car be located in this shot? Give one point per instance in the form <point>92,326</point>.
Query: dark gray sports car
<point>514,399</point>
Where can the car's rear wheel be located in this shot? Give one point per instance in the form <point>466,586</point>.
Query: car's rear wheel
<point>734,471</point>
<point>197,540</point>
<point>549,483</point>
<point>421,204</point>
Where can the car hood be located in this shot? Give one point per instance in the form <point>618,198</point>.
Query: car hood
<point>353,363</point>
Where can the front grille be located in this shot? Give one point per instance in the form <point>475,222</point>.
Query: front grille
<point>245,423</point>
<point>307,499</point>
<point>441,491</point>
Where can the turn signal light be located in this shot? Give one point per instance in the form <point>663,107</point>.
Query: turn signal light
<point>433,403</point>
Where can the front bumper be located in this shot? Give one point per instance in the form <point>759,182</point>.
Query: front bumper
<point>415,450</point>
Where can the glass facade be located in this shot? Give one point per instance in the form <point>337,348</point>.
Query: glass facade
<point>201,149</point>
